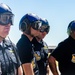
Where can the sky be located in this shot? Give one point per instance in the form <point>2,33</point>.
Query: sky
<point>59,14</point>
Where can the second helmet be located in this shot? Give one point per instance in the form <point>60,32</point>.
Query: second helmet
<point>28,20</point>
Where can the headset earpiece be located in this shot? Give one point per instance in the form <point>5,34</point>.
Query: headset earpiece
<point>24,25</point>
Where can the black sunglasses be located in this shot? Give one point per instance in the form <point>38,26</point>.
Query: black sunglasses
<point>36,25</point>
<point>44,28</point>
<point>6,18</point>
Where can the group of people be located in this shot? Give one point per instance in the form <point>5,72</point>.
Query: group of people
<point>30,55</point>
<point>32,50</point>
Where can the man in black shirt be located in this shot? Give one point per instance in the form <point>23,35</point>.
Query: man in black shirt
<point>29,25</point>
<point>41,48</point>
<point>65,54</point>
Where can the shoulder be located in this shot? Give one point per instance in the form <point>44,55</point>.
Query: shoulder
<point>64,42</point>
<point>24,40</point>
<point>9,43</point>
<point>62,45</point>
<point>44,43</point>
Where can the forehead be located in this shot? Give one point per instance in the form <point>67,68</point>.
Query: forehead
<point>2,27</point>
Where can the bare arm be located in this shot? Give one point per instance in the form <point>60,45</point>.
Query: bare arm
<point>28,69</point>
<point>20,71</point>
<point>52,65</point>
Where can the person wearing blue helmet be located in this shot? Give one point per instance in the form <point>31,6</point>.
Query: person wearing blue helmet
<point>29,25</point>
<point>65,53</point>
<point>41,48</point>
<point>9,60</point>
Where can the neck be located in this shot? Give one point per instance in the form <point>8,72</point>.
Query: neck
<point>38,39</point>
<point>1,38</point>
<point>30,37</point>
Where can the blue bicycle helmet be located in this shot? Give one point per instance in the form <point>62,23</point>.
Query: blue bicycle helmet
<point>71,27</point>
<point>45,27</point>
<point>6,15</point>
<point>29,20</point>
<point>5,9</point>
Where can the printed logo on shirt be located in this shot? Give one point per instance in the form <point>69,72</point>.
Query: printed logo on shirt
<point>33,63</point>
<point>11,54</point>
<point>45,48</point>
<point>73,58</point>
<point>11,51</point>
<point>37,55</point>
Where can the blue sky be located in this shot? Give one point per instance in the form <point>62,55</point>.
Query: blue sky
<point>59,13</point>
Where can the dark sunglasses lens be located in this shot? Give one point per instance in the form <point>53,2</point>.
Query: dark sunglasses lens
<point>47,30</point>
<point>44,29</point>
<point>36,25</point>
<point>6,19</point>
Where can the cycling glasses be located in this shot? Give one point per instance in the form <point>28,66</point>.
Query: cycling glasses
<point>36,25</point>
<point>6,18</point>
<point>44,28</point>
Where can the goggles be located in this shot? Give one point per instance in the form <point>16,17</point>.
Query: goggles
<point>6,18</point>
<point>44,28</point>
<point>36,25</point>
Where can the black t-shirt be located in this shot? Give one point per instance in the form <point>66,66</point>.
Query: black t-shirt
<point>65,55</point>
<point>9,60</point>
<point>41,55</point>
<point>25,50</point>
